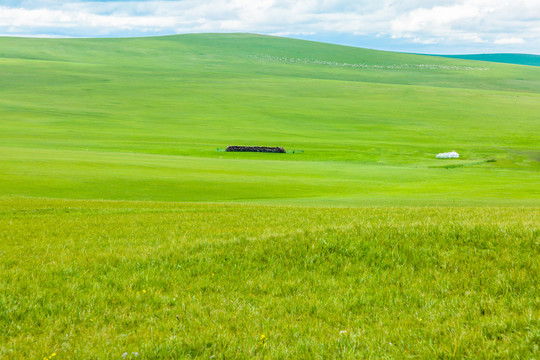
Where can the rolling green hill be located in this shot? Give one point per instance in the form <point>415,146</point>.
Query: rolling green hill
<point>520,59</point>
<point>141,119</point>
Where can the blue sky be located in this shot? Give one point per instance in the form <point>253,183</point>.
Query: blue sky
<point>435,26</point>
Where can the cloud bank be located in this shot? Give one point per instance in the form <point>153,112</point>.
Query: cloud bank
<point>469,24</point>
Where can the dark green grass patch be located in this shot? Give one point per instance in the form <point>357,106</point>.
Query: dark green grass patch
<point>452,165</point>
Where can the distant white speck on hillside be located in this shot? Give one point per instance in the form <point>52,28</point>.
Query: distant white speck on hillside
<point>448,155</point>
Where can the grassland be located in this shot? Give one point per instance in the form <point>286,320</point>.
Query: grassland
<point>141,119</point>
<point>124,231</point>
<point>89,279</point>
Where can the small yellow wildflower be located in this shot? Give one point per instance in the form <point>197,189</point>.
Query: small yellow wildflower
<point>144,291</point>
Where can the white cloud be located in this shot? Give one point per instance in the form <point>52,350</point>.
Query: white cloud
<point>472,21</point>
<point>512,40</point>
<point>444,22</point>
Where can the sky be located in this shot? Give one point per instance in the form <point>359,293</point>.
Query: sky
<point>420,26</point>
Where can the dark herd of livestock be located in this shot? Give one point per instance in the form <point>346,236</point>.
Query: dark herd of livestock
<point>266,149</point>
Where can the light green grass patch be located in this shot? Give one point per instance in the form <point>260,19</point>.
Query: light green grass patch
<point>97,279</point>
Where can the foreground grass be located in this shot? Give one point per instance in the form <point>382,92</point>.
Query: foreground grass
<point>88,279</point>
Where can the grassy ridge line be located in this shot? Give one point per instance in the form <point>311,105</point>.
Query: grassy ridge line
<point>519,59</point>
<point>97,279</point>
<point>234,54</point>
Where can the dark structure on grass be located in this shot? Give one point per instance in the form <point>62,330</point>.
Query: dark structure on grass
<point>266,149</point>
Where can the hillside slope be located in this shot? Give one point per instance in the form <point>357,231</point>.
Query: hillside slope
<point>142,118</point>
<point>519,59</point>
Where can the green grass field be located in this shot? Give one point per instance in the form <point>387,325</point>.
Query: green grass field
<point>141,119</point>
<point>97,279</point>
<point>123,229</point>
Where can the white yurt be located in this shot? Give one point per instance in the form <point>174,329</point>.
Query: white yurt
<point>448,155</point>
